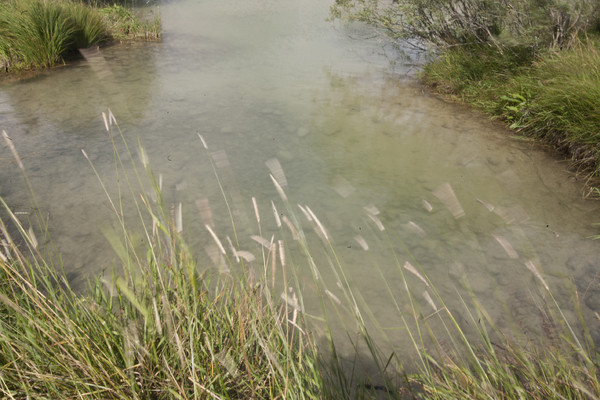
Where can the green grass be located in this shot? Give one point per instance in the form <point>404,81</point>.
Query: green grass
<point>554,97</point>
<point>37,34</point>
<point>125,25</point>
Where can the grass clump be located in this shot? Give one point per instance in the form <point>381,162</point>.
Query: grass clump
<point>165,336</point>
<point>38,34</point>
<point>163,329</point>
<point>124,24</point>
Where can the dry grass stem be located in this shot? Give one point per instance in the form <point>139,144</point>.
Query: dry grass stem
<point>362,242</point>
<point>276,214</point>
<point>217,241</point>
<point>410,268</point>
<point>377,222</point>
<point>319,224</point>
<point>277,171</point>
<point>105,121</point>
<point>531,267</point>
<point>279,189</point>
<point>111,118</point>
<point>291,227</point>
<point>333,297</point>
<point>273,255</point>
<point>446,195</point>
<point>256,213</point>
<point>13,150</point>
<point>203,141</point>
<point>427,205</point>
<point>262,241</point>
<point>281,252</point>
<point>305,212</point>
<point>233,250</point>
<point>429,300</point>
<point>487,205</point>
<point>179,218</point>
<point>32,237</point>
<point>508,248</point>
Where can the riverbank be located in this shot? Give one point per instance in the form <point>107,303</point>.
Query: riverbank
<point>553,97</point>
<point>531,64</point>
<point>37,34</point>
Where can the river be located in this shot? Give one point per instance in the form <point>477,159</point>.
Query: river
<point>336,110</point>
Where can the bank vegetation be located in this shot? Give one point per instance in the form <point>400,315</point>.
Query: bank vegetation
<point>534,64</point>
<point>37,34</point>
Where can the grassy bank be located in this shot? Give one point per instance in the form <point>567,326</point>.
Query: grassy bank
<point>553,96</point>
<point>38,34</point>
<point>168,327</point>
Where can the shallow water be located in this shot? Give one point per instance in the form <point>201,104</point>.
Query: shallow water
<point>342,113</point>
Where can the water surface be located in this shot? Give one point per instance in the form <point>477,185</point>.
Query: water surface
<point>342,113</point>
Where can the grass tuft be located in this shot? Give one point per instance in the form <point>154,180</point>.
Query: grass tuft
<point>37,34</point>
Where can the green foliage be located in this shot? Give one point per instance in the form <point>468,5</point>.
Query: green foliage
<point>39,34</point>
<point>124,24</point>
<point>90,27</point>
<point>514,109</point>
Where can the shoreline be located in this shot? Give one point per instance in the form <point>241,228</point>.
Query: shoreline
<point>535,106</point>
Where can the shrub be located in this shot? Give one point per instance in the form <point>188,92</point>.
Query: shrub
<point>502,24</point>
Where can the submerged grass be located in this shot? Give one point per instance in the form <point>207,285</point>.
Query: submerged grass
<point>38,34</point>
<point>165,327</point>
<point>554,96</point>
